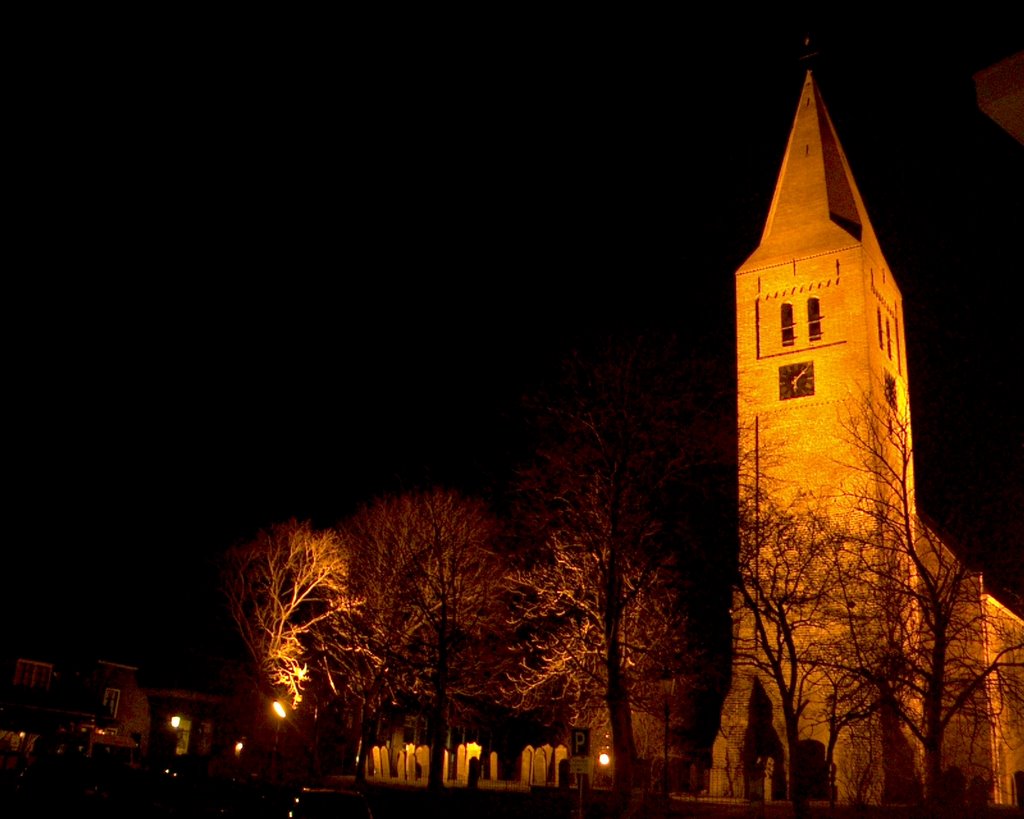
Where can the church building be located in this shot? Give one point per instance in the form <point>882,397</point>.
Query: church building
<point>870,662</point>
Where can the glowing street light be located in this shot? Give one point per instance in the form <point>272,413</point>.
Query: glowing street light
<point>281,714</point>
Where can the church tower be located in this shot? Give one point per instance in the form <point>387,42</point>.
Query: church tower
<point>820,332</point>
<point>819,317</point>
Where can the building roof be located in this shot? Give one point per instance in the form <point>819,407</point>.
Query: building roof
<point>817,206</point>
<point>1000,93</point>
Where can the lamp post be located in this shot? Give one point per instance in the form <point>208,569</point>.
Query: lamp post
<point>281,713</point>
<point>667,687</point>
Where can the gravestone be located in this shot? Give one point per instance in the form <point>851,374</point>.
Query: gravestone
<point>422,762</point>
<point>461,769</point>
<point>526,765</point>
<point>540,766</point>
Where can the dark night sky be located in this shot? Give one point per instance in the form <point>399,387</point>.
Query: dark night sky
<point>276,268</point>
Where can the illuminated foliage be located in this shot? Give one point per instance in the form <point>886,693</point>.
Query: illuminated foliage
<point>281,586</point>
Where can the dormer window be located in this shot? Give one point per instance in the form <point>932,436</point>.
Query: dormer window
<point>814,319</point>
<point>788,326</point>
<point>29,674</point>
<point>111,699</point>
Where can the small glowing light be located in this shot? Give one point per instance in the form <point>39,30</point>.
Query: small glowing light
<point>175,721</point>
<point>279,709</point>
<point>604,759</point>
<point>238,747</point>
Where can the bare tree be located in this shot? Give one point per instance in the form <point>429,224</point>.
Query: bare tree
<point>927,643</point>
<point>427,579</point>
<point>605,504</point>
<point>284,588</point>
<point>365,645</point>
<point>281,587</point>
<point>791,628</point>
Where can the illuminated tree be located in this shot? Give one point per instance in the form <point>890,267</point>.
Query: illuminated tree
<point>281,587</point>
<point>606,510</point>
<point>427,577</point>
<point>363,646</point>
<point>940,662</point>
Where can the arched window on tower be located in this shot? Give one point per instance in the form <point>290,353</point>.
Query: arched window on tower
<point>888,337</point>
<point>813,319</point>
<point>788,325</point>
<point>881,344</point>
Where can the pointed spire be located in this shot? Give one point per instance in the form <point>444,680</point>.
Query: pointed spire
<point>816,207</point>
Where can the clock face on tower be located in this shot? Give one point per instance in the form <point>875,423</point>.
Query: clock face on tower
<point>796,380</point>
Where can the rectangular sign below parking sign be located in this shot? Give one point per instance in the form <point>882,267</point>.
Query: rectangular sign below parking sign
<point>581,765</point>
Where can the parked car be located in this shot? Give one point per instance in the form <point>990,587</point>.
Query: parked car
<point>76,785</point>
<point>329,803</point>
<point>180,789</point>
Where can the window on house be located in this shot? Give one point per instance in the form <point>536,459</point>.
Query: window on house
<point>111,698</point>
<point>409,730</point>
<point>184,730</point>
<point>814,319</point>
<point>878,310</point>
<point>30,674</point>
<point>788,326</point>
<point>203,744</point>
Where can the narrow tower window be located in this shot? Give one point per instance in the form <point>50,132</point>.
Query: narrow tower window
<point>757,325</point>
<point>888,338</point>
<point>814,319</point>
<point>788,326</point>
<point>878,310</point>
<point>899,364</point>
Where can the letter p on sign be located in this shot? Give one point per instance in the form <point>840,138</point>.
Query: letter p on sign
<point>581,742</point>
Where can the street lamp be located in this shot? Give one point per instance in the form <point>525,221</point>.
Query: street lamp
<point>668,685</point>
<point>281,714</point>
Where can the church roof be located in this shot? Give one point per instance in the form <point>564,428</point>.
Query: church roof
<point>816,207</point>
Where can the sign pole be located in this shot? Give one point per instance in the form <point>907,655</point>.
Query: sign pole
<point>580,758</point>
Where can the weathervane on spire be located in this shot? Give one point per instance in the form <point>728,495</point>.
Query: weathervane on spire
<point>808,51</point>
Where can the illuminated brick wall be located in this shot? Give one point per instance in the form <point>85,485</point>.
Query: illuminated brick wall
<point>815,298</point>
<point>1002,630</point>
<point>820,335</point>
